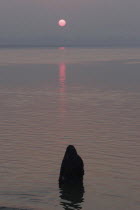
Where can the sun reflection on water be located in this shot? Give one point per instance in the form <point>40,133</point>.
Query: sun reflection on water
<point>62,86</point>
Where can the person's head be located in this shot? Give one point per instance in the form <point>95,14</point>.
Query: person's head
<point>70,151</point>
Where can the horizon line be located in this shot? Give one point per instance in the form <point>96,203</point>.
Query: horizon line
<point>69,46</point>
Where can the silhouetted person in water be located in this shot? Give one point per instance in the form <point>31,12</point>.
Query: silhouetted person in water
<point>72,196</point>
<point>72,167</point>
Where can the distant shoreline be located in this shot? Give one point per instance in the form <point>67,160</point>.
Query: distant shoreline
<point>68,46</point>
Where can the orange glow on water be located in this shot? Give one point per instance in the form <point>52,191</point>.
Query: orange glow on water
<point>61,48</point>
<point>62,77</point>
<point>62,88</point>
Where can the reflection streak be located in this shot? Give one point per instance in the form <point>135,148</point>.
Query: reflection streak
<point>62,79</point>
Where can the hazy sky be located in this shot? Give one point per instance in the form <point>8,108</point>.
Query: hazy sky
<point>89,22</point>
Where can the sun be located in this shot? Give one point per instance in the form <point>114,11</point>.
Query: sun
<point>62,23</point>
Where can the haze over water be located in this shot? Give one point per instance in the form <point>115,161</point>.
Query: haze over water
<point>51,98</point>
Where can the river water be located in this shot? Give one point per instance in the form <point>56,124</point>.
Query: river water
<point>50,98</point>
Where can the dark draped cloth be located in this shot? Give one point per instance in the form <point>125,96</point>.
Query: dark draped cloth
<point>72,167</point>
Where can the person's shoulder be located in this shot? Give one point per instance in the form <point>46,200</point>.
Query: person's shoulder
<point>80,159</point>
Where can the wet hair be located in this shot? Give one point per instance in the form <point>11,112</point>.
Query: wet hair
<point>72,167</point>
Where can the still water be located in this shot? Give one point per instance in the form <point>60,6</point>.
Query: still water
<point>50,98</point>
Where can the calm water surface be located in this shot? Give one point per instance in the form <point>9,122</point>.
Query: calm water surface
<point>50,98</point>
